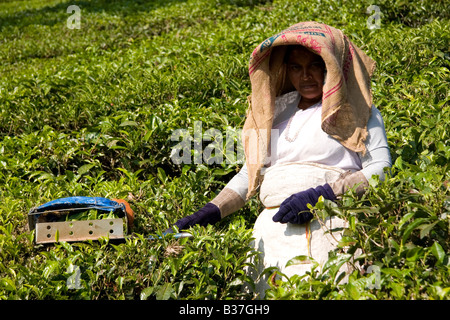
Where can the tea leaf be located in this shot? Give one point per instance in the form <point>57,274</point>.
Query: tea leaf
<point>438,252</point>
<point>164,292</point>
<point>146,293</point>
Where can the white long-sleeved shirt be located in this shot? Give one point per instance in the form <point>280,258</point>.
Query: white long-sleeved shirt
<point>310,143</point>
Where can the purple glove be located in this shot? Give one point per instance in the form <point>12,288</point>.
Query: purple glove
<point>294,209</point>
<point>209,214</point>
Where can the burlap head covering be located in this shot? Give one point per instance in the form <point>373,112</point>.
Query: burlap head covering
<point>346,99</point>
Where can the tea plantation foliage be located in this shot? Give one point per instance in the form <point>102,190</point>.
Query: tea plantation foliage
<point>90,112</point>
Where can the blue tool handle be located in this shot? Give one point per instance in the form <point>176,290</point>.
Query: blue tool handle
<point>173,235</point>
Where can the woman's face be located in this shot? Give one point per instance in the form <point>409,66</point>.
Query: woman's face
<point>306,71</point>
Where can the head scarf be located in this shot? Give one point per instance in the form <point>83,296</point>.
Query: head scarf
<point>346,99</point>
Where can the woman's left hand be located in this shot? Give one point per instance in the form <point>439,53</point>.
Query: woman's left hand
<point>295,208</point>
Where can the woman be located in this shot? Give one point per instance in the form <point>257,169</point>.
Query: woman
<point>311,131</point>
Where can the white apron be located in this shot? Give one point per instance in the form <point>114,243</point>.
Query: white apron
<point>278,243</point>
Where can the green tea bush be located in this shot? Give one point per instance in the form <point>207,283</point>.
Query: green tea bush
<point>91,111</point>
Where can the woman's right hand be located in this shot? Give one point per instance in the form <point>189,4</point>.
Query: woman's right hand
<point>209,214</point>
